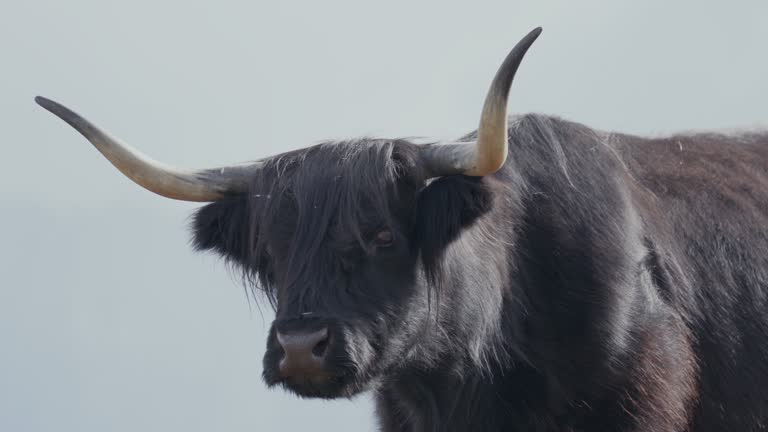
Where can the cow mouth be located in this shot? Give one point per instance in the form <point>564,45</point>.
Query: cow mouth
<point>324,386</point>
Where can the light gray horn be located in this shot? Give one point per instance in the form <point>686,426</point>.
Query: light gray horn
<point>488,153</point>
<point>186,185</point>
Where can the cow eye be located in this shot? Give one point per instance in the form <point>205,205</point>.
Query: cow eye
<point>383,238</point>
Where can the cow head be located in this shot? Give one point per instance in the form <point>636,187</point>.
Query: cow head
<point>344,238</point>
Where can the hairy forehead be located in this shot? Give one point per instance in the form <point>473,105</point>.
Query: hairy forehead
<point>336,187</point>
<point>342,168</point>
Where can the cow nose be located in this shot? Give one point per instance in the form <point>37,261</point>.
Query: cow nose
<point>303,352</point>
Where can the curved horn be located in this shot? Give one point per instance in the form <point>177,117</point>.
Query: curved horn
<point>489,152</point>
<point>186,185</point>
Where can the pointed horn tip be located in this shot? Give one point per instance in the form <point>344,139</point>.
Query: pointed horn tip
<point>44,102</point>
<point>529,38</point>
<point>52,106</point>
<point>533,35</point>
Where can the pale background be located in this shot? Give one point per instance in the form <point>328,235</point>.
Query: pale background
<point>108,320</point>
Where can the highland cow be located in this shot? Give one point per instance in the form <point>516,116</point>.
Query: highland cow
<point>590,281</point>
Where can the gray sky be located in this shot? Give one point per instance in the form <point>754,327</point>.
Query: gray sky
<point>108,321</point>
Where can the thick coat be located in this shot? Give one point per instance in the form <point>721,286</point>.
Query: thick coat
<point>597,282</point>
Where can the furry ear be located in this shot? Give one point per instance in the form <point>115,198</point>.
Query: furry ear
<point>444,208</point>
<point>224,227</point>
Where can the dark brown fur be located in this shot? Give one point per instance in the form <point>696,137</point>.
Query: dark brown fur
<point>597,282</point>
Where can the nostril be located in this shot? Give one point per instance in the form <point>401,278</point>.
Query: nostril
<point>303,352</point>
<point>320,348</point>
<point>301,347</point>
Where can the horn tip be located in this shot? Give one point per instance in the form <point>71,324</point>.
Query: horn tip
<point>46,103</point>
<point>60,111</point>
<point>535,32</point>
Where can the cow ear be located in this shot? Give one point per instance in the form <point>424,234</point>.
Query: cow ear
<point>224,227</point>
<point>444,209</point>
